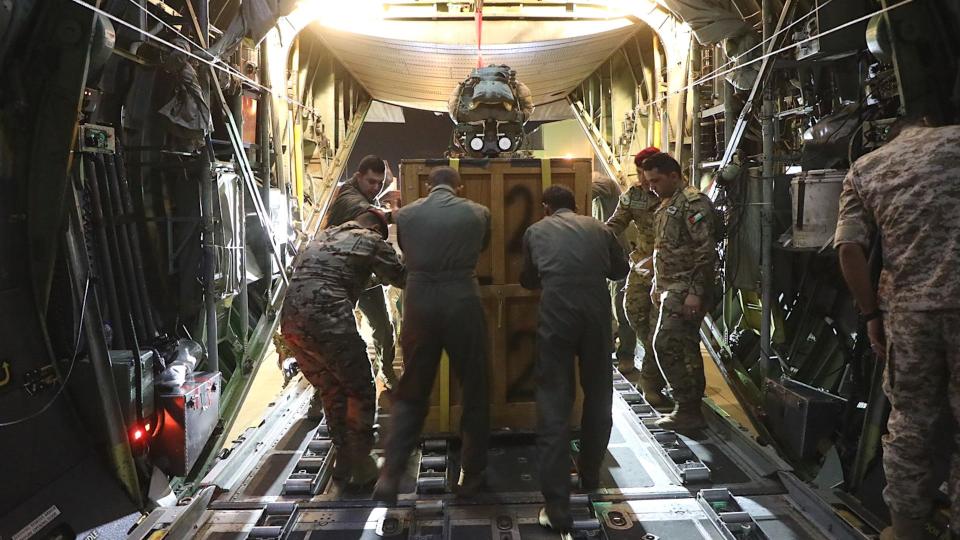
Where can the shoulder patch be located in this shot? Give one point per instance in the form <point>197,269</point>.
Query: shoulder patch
<point>691,193</point>
<point>696,218</point>
<point>625,198</point>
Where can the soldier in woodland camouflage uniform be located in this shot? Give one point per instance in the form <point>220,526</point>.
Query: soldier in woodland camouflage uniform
<point>606,195</point>
<point>909,192</point>
<point>318,325</point>
<point>684,259</point>
<point>355,197</point>
<point>637,205</point>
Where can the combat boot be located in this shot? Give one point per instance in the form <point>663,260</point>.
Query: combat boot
<point>387,488</point>
<point>655,397</point>
<point>555,518</point>
<point>342,468</point>
<point>903,528</point>
<point>627,366</point>
<point>470,484</point>
<point>589,476</point>
<point>687,418</point>
<point>364,471</point>
<point>315,411</point>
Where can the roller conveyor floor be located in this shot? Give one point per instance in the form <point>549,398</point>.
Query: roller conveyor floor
<point>274,483</point>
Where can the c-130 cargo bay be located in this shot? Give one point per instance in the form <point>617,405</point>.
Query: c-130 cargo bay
<point>166,163</point>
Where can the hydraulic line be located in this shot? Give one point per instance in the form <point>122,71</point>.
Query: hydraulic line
<point>108,286</point>
<point>126,253</point>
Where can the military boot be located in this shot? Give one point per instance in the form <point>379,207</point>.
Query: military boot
<point>343,466</point>
<point>364,471</point>
<point>387,488</point>
<point>627,366</point>
<point>655,397</point>
<point>687,418</point>
<point>555,518</point>
<point>470,484</point>
<point>903,528</point>
<point>315,411</point>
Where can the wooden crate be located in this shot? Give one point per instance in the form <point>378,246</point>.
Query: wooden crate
<point>511,189</point>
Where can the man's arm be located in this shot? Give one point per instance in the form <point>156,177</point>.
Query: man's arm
<point>486,229</point>
<point>701,226</point>
<point>856,272</point>
<point>530,275</point>
<point>621,218</point>
<point>699,221</point>
<point>387,265</point>
<point>619,265</point>
<point>854,229</point>
<point>348,205</point>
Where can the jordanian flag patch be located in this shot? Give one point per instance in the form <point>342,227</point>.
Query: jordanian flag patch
<point>696,218</point>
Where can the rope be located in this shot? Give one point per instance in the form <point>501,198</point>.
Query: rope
<point>478,16</point>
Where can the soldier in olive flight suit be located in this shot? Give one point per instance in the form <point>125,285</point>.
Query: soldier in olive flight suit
<point>318,326</point>
<point>571,257</point>
<point>441,236</point>
<point>354,197</point>
<point>638,205</point>
<point>684,261</point>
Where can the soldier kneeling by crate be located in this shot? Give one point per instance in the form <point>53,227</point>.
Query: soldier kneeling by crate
<point>319,327</point>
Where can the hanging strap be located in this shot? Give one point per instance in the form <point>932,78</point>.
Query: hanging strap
<point>478,16</point>
<point>545,179</point>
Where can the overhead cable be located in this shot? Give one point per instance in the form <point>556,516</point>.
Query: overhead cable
<point>219,65</point>
<point>717,75</point>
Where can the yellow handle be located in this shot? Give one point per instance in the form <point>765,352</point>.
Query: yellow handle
<point>444,392</point>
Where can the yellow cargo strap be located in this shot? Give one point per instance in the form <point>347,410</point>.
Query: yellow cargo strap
<point>444,392</point>
<point>455,164</point>
<point>545,179</point>
<point>298,164</point>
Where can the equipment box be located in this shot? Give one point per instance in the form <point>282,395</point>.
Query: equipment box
<point>511,189</point>
<point>130,383</point>
<point>800,416</point>
<point>189,415</point>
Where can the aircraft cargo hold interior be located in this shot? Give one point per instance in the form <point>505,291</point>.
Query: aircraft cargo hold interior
<point>211,208</point>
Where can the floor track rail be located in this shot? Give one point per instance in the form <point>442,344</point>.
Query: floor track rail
<point>680,459</point>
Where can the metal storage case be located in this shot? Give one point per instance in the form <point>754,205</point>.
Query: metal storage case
<point>511,189</point>
<point>189,416</point>
<point>816,207</point>
<point>126,378</point>
<point>800,416</point>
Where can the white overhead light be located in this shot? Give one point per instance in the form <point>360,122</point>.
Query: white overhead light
<point>504,144</point>
<point>476,144</point>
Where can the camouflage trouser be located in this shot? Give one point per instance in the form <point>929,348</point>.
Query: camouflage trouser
<point>676,343</point>
<point>922,381</point>
<point>626,338</point>
<point>373,305</point>
<point>642,316</point>
<point>337,365</point>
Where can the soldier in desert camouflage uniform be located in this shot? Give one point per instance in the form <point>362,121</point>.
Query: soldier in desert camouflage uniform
<point>684,260</point>
<point>909,192</point>
<point>318,325</point>
<point>637,205</point>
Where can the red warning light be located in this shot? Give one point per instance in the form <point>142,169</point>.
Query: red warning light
<point>137,435</point>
